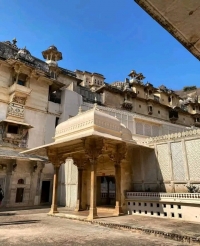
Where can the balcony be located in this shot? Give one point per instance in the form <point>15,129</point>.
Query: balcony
<point>15,139</point>
<point>127,105</point>
<point>19,90</point>
<point>173,115</point>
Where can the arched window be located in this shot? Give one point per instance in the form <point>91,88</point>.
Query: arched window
<point>20,181</point>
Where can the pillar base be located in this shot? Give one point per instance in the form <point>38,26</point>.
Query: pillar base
<point>118,211</point>
<point>92,214</point>
<point>53,210</point>
<point>78,206</point>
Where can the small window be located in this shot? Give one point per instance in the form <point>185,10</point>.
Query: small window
<point>138,92</point>
<point>21,82</point>
<point>134,203</point>
<point>140,211</point>
<point>172,214</point>
<point>151,212</point>
<point>158,111</point>
<point>145,204</point>
<point>172,206</point>
<point>179,206</point>
<point>128,203</point>
<point>180,216</point>
<point>20,181</point>
<point>145,212</point>
<point>158,205</point>
<point>158,213</point>
<point>151,205</point>
<point>169,99</point>
<point>139,106</point>
<point>150,108</point>
<point>13,129</point>
<point>56,122</point>
<point>165,214</point>
<point>139,204</point>
<point>164,205</point>
<point>134,211</point>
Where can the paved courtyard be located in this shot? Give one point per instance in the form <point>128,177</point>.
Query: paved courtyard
<point>34,227</point>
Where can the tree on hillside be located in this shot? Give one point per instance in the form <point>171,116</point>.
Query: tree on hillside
<point>189,88</point>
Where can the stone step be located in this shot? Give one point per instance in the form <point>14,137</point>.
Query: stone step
<point>105,209</point>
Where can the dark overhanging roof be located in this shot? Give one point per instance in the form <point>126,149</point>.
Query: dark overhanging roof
<point>180,18</point>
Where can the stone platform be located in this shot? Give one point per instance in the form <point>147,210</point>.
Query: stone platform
<point>168,228</point>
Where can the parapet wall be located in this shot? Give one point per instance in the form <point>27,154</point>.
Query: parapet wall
<point>179,206</point>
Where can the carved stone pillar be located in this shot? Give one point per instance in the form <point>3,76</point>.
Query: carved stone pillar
<point>117,155</point>
<point>79,192</point>
<point>54,204</point>
<point>80,162</point>
<point>93,149</point>
<point>56,161</point>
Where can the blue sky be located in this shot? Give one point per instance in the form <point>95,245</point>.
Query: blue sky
<point>107,36</point>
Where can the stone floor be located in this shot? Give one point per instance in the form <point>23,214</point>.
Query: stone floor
<point>151,223</point>
<point>33,227</point>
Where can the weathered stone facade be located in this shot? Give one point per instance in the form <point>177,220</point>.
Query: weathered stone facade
<point>36,96</point>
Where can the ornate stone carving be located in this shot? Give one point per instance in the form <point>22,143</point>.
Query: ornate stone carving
<point>173,136</point>
<point>16,110</point>
<point>19,100</point>
<point>24,54</point>
<point>118,153</point>
<point>93,148</point>
<point>164,162</point>
<point>55,158</point>
<point>80,161</point>
<point>178,161</point>
<point>193,156</point>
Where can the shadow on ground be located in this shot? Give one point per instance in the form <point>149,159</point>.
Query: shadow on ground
<point>7,214</point>
<point>19,222</point>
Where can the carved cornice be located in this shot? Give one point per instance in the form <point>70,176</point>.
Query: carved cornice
<point>173,136</point>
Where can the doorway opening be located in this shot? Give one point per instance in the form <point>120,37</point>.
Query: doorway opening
<point>19,195</point>
<point>45,191</point>
<point>106,191</point>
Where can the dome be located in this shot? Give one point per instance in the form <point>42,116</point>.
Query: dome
<point>23,51</point>
<point>52,47</point>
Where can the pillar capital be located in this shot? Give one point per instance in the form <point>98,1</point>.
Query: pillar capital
<point>55,158</point>
<point>93,148</point>
<point>80,161</point>
<point>118,153</point>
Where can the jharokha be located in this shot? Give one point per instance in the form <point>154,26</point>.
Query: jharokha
<point>69,138</point>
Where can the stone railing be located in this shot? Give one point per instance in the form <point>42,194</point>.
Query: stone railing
<point>173,136</point>
<point>132,195</point>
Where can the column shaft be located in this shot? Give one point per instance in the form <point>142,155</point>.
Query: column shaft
<point>118,208</point>
<point>55,191</point>
<point>93,208</point>
<point>79,192</point>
